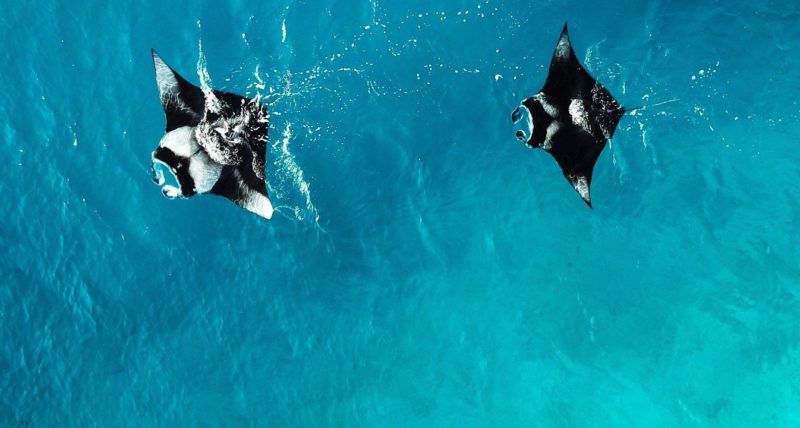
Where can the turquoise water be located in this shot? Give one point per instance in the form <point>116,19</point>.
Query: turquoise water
<point>423,267</point>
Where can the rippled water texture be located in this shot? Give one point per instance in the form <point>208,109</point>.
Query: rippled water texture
<point>423,267</point>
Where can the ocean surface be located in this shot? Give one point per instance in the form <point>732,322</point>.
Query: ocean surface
<point>423,267</point>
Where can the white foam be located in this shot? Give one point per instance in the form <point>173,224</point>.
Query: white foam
<point>213,104</point>
<point>225,138</point>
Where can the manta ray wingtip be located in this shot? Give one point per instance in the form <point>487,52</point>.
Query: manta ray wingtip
<point>157,61</point>
<point>564,45</point>
<point>582,184</point>
<point>586,198</point>
<point>564,32</point>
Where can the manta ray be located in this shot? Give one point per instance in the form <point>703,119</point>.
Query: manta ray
<point>572,117</point>
<point>215,142</point>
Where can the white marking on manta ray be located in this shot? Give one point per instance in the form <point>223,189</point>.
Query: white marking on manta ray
<point>204,171</point>
<point>551,130</point>
<point>168,86</point>
<point>563,48</point>
<point>258,166</point>
<point>171,192</point>
<point>580,117</point>
<point>550,109</point>
<point>181,141</point>
<point>253,201</point>
<point>582,186</point>
<point>167,83</point>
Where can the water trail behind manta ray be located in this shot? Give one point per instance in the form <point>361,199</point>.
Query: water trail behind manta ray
<point>289,170</point>
<point>212,103</point>
<point>286,180</point>
<point>286,184</point>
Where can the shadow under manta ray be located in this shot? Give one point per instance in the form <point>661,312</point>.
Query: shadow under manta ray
<point>572,117</point>
<point>215,142</point>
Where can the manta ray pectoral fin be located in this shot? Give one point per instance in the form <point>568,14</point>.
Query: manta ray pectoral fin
<point>183,102</point>
<point>564,37</point>
<point>582,185</point>
<point>576,152</point>
<point>563,49</point>
<point>242,187</point>
<point>258,204</point>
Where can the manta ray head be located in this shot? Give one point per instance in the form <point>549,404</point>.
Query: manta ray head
<point>191,170</point>
<point>534,121</point>
<point>523,123</point>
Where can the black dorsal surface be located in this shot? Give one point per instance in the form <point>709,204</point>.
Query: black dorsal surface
<point>572,117</point>
<point>215,141</point>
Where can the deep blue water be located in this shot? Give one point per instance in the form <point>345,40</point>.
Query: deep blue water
<point>423,267</point>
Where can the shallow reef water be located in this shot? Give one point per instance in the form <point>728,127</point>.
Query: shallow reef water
<point>423,267</point>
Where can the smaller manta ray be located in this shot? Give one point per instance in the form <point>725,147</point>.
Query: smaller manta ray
<point>215,142</point>
<point>572,117</point>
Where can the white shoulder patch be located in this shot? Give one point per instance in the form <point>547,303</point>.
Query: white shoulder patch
<point>550,109</point>
<point>577,112</point>
<point>204,171</point>
<point>548,138</point>
<point>181,141</point>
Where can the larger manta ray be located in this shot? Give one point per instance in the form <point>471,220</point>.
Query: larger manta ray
<point>215,142</point>
<point>572,117</point>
